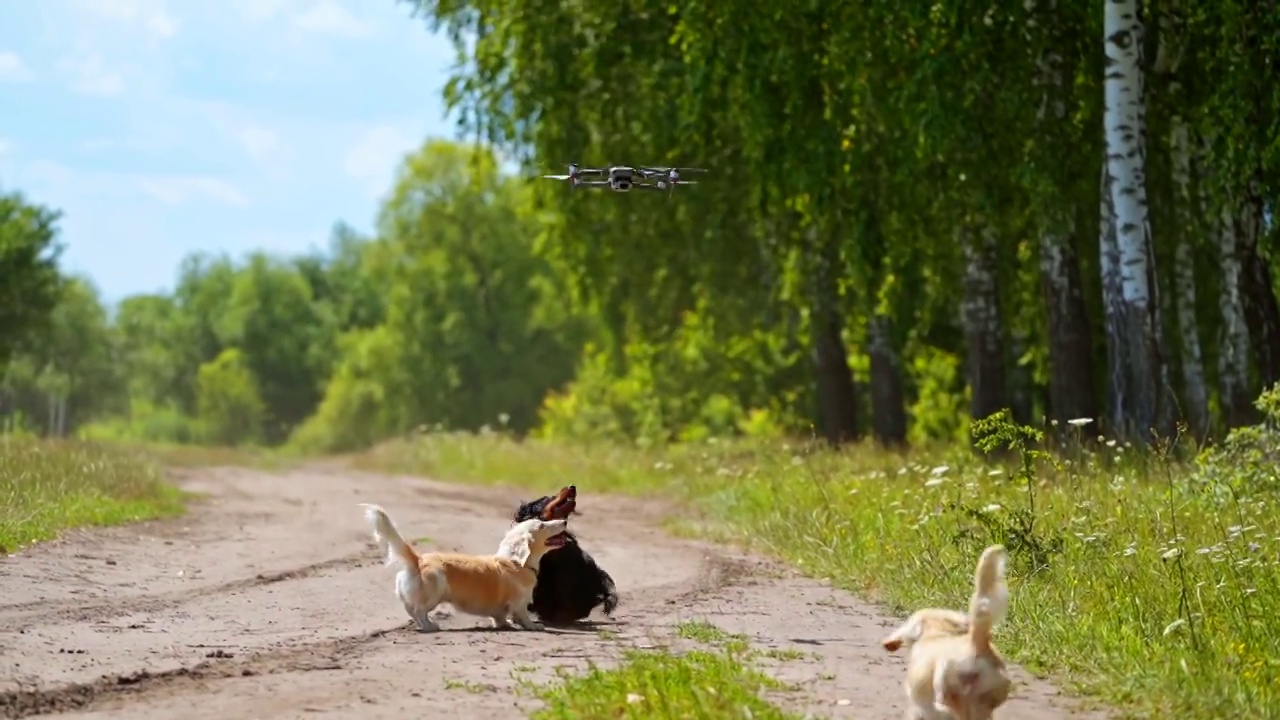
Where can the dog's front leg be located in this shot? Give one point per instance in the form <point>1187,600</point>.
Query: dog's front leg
<point>522,617</point>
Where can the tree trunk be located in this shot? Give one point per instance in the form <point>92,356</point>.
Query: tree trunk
<point>1072,393</point>
<point>1257,288</point>
<point>888,402</point>
<point>1195,392</point>
<point>983,330</point>
<point>1021,401</point>
<point>837,397</point>
<point>1112,301</point>
<point>1233,349</point>
<point>1136,349</point>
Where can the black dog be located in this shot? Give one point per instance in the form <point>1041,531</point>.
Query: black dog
<point>570,583</point>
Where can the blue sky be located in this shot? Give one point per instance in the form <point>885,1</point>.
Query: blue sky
<point>160,128</point>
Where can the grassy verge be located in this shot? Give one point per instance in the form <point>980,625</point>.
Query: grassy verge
<point>193,456</point>
<point>46,486</point>
<point>1140,580</point>
<point>659,685</point>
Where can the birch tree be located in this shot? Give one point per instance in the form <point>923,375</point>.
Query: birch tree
<point>1135,391</point>
<point>1072,392</point>
<point>1169,62</point>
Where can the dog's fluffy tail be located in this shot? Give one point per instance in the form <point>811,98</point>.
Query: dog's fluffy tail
<point>610,596</point>
<point>394,547</point>
<point>990,599</point>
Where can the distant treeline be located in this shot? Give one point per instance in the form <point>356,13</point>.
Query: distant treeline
<point>917,214</point>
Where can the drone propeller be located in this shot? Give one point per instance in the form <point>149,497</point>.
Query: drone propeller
<point>557,177</point>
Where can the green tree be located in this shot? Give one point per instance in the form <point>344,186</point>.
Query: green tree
<point>284,338</point>
<point>229,407</point>
<point>29,277</point>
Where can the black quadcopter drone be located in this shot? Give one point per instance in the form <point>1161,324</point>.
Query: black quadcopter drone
<point>622,178</point>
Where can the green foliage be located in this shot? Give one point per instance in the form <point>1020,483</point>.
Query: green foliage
<point>1248,461</point>
<point>474,332</point>
<point>228,405</point>
<point>700,382</point>
<point>284,338</point>
<point>29,277</point>
<point>354,412</point>
<point>48,486</point>
<point>942,400</point>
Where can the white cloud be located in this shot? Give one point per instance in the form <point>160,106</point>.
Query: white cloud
<point>162,25</point>
<point>151,15</point>
<point>13,69</point>
<point>373,158</point>
<point>177,189</point>
<point>259,142</point>
<point>260,10</point>
<point>91,76</point>
<point>327,17</point>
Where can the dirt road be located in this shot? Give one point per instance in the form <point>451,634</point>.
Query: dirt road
<point>269,601</point>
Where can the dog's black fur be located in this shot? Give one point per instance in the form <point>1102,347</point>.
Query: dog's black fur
<point>570,583</point>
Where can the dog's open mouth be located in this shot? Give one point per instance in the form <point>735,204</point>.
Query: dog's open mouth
<point>562,505</point>
<point>558,540</point>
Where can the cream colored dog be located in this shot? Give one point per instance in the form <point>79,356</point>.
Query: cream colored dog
<point>954,670</point>
<point>497,586</point>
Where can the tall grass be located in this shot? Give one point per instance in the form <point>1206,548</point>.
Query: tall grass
<point>46,486</point>
<point>1143,580</point>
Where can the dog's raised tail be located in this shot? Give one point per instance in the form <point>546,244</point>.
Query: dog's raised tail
<point>610,599</point>
<point>394,547</point>
<point>990,599</point>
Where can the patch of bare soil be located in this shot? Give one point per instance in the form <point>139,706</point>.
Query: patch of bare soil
<point>269,600</point>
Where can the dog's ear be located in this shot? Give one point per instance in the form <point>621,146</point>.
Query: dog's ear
<point>520,546</point>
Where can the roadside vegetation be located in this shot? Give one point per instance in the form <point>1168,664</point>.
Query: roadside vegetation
<point>1138,577</point>
<point>47,486</point>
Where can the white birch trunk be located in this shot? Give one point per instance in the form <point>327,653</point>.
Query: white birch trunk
<point>1233,353</point>
<point>1195,387</point>
<point>1126,156</point>
<point>1126,163</point>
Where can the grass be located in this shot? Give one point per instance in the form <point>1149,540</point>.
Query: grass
<point>47,486</point>
<point>1138,579</point>
<point>199,456</point>
<point>659,685</point>
<point>713,683</point>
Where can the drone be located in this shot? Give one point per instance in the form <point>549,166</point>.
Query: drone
<point>622,178</point>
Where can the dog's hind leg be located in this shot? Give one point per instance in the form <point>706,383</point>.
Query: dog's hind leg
<point>500,622</point>
<point>424,621</point>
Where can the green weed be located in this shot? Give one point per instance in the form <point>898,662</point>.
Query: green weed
<point>699,684</point>
<point>46,486</point>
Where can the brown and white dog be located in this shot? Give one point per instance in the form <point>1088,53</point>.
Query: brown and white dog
<point>497,586</point>
<point>954,671</point>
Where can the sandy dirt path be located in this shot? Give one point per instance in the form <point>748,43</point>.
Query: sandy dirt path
<point>269,601</point>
